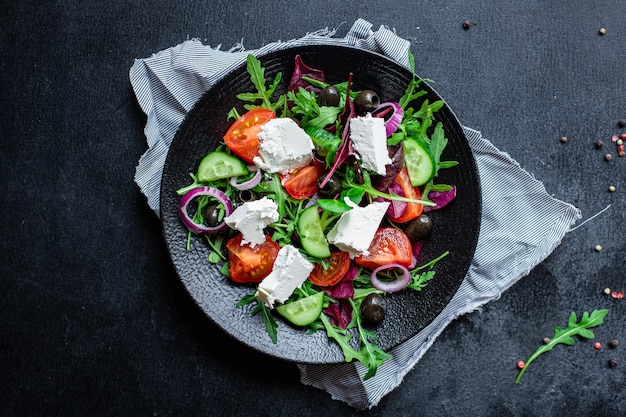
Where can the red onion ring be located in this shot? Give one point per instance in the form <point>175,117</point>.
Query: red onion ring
<point>392,122</point>
<point>391,286</point>
<point>202,229</point>
<point>251,183</point>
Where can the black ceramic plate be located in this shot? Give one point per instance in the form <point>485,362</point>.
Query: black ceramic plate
<point>455,227</point>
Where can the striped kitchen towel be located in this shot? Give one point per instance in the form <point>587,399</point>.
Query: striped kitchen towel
<point>521,223</point>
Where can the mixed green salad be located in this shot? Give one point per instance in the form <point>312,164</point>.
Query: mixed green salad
<point>319,201</point>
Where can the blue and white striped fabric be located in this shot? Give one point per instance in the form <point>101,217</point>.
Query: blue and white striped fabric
<point>521,224</point>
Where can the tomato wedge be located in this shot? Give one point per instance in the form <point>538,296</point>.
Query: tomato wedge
<point>412,210</point>
<point>242,137</point>
<point>390,245</point>
<point>302,183</point>
<point>247,263</point>
<point>338,268</point>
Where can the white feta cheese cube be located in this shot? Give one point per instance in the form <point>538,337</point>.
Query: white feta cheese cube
<point>284,146</point>
<point>290,270</point>
<point>369,137</point>
<point>355,229</point>
<point>251,218</point>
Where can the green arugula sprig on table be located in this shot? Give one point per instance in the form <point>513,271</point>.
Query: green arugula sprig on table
<point>565,336</point>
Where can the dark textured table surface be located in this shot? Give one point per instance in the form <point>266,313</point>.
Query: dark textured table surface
<point>94,320</point>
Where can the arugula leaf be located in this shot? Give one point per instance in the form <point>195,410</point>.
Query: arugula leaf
<point>374,355</point>
<point>263,94</point>
<point>216,242</point>
<point>369,188</point>
<point>342,339</point>
<point>274,190</point>
<point>333,206</point>
<point>311,113</point>
<point>224,269</point>
<point>339,206</point>
<point>410,94</point>
<point>246,300</point>
<point>304,104</point>
<point>564,336</point>
<point>438,142</point>
<point>268,319</point>
<point>370,355</point>
<point>326,115</point>
<point>184,190</point>
<point>420,281</point>
<point>233,114</point>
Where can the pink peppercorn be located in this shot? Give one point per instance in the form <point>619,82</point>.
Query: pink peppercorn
<point>620,148</point>
<point>614,138</point>
<point>623,135</point>
<point>520,364</point>
<point>597,346</point>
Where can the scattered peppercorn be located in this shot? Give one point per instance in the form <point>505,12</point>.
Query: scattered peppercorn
<point>602,31</point>
<point>599,144</point>
<point>621,123</point>
<point>614,138</point>
<point>621,154</point>
<point>546,340</point>
<point>617,294</point>
<point>612,362</point>
<point>607,291</point>
<point>611,188</point>
<point>613,343</point>
<point>466,24</point>
<point>563,139</point>
<point>520,364</point>
<point>608,156</point>
<point>597,346</point>
<point>623,136</point>
<point>597,248</point>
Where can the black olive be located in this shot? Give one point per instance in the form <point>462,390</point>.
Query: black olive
<point>246,195</point>
<point>373,308</point>
<point>211,215</point>
<point>419,229</point>
<point>331,188</point>
<point>366,102</point>
<point>329,96</point>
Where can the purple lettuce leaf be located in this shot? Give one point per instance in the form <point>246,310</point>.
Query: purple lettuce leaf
<point>339,313</point>
<point>440,198</point>
<point>302,70</point>
<point>346,149</point>
<point>396,153</point>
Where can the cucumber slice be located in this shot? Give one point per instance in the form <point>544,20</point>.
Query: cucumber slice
<point>311,234</point>
<point>419,162</point>
<point>303,311</point>
<point>217,165</point>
